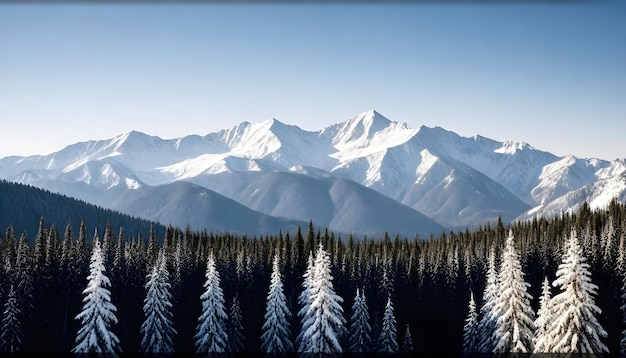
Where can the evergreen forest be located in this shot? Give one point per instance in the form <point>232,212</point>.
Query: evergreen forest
<point>92,287</point>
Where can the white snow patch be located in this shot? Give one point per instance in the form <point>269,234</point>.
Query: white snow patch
<point>132,184</point>
<point>511,147</point>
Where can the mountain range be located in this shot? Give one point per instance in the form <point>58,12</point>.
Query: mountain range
<point>364,176</point>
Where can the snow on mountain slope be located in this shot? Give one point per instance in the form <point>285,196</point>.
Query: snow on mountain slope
<point>453,179</point>
<point>560,177</point>
<point>515,165</point>
<point>597,194</point>
<point>469,197</point>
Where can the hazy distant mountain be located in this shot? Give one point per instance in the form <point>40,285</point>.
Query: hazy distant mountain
<point>427,176</point>
<point>339,204</point>
<point>181,204</point>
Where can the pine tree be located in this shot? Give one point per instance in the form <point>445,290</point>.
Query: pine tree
<point>544,317</point>
<point>487,324</point>
<point>325,322</point>
<point>24,273</point>
<point>11,332</point>
<point>304,300</point>
<point>211,333</point>
<point>575,327</point>
<point>515,323</point>
<point>235,327</point>
<point>470,330</point>
<point>98,312</point>
<point>360,341</point>
<point>407,341</point>
<point>153,247</point>
<point>388,342</point>
<point>157,329</point>
<point>275,337</point>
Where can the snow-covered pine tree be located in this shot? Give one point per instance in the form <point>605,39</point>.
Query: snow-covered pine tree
<point>95,335</point>
<point>544,317</point>
<point>275,338</point>
<point>487,324</point>
<point>388,341</point>
<point>359,333</point>
<point>157,330</point>
<point>575,327</point>
<point>515,317</point>
<point>470,330</point>
<point>24,274</point>
<point>235,327</point>
<point>304,299</point>
<point>325,322</point>
<point>211,333</point>
<point>407,341</point>
<point>11,331</point>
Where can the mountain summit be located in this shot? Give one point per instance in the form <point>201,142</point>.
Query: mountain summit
<point>365,175</point>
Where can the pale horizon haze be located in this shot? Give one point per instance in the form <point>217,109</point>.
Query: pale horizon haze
<point>552,75</point>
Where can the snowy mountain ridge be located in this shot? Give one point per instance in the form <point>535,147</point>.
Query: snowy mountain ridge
<point>455,181</point>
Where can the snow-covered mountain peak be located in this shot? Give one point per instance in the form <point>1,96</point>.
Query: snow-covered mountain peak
<point>132,136</point>
<point>358,130</point>
<point>511,147</point>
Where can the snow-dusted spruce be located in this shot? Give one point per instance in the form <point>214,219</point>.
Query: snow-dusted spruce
<point>211,331</point>
<point>470,330</point>
<point>544,317</point>
<point>304,300</point>
<point>515,317</point>
<point>95,335</point>
<point>23,274</point>
<point>487,324</point>
<point>157,330</point>
<point>388,341</point>
<point>325,322</point>
<point>574,327</point>
<point>275,337</point>
<point>235,327</point>
<point>359,333</point>
<point>407,341</point>
<point>11,331</point>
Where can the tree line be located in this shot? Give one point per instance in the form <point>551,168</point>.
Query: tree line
<point>312,291</point>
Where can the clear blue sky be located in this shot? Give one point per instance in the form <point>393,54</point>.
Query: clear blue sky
<point>551,75</point>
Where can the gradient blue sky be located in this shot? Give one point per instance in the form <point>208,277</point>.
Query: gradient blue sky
<point>551,75</point>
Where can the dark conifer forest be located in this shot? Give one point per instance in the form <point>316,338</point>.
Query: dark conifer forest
<point>415,283</point>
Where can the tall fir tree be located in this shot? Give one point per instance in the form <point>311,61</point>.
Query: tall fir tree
<point>304,300</point>
<point>470,329</point>
<point>388,341</point>
<point>325,322</point>
<point>487,324</point>
<point>98,314</point>
<point>544,317</point>
<point>211,336</point>
<point>575,328</point>
<point>359,332</point>
<point>515,317</point>
<point>157,330</point>
<point>11,331</point>
<point>276,336</point>
<point>235,328</point>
